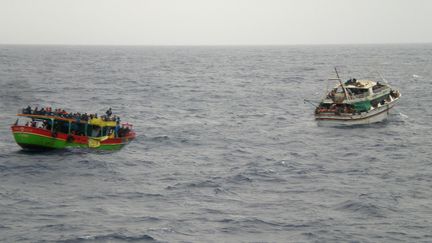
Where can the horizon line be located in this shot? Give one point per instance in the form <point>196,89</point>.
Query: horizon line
<point>213,45</point>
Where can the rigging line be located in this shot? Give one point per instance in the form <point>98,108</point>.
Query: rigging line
<point>310,102</point>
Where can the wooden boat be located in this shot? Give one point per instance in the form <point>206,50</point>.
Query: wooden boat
<point>54,130</point>
<point>356,102</point>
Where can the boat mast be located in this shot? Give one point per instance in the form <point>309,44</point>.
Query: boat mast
<point>340,81</point>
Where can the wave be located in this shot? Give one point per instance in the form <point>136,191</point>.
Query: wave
<point>199,184</point>
<point>160,138</point>
<point>114,237</point>
<point>132,195</point>
<point>362,208</point>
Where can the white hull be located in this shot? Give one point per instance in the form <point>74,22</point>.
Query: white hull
<point>373,116</point>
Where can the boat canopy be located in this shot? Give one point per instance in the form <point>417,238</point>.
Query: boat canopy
<point>47,117</point>
<point>362,106</point>
<point>102,123</point>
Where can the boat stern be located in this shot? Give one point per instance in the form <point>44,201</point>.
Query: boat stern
<point>31,138</point>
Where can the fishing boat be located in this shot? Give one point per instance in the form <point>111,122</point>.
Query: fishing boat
<point>47,130</point>
<point>356,102</point>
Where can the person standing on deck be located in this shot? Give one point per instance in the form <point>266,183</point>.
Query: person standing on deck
<point>109,112</point>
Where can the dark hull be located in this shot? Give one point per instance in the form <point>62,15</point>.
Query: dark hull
<point>35,148</point>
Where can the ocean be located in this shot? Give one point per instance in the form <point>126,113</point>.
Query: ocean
<point>226,149</point>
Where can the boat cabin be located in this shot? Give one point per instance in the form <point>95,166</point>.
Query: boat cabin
<point>95,127</point>
<point>359,88</point>
<point>355,89</point>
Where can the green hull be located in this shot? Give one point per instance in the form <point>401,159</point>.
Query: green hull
<point>40,142</point>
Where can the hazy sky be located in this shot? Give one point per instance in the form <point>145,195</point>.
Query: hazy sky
<point>214,22</point>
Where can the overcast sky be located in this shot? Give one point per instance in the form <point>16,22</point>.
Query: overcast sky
<point>214,22</point>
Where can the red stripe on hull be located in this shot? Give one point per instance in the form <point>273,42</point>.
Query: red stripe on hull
<point>317,117</point>
<point>64,136</point>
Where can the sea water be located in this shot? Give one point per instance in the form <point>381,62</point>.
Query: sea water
<point>226,149</point>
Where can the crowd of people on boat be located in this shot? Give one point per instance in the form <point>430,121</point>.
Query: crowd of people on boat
<point>44,125</point>
<point>123,131</point>
<point>335,108</point>
<point>119,131</point>
<point>116,131</point>
<point>48,111</point>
